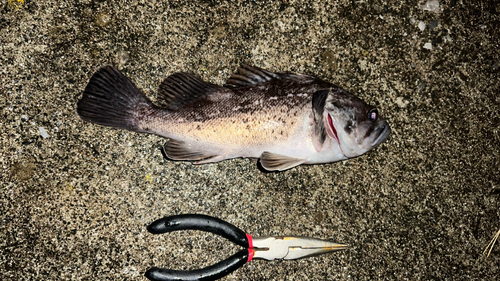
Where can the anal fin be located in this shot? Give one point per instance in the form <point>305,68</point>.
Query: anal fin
<point>213,159</point>
<point>179,150</point>
<point>277,162</point>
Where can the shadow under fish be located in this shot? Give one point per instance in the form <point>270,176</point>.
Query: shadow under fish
<point>284,119</point>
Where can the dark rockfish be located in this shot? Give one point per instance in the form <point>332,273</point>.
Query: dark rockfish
<point>284,119</point>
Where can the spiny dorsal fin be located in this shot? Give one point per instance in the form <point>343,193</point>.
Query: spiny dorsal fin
<point>183,88</point>
<point>250,75</point>
<point>277,162</point>
<point>179,150</point>
<point>247,75</point>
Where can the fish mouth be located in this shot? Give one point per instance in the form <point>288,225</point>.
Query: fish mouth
<point>385,130</point>
<point>330,129</point>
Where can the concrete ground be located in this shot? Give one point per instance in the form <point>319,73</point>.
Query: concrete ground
<point>75,198</point>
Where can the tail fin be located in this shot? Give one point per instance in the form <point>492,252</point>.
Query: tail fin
<point>111,99</point>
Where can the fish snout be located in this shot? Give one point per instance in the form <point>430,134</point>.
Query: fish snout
<point>384,130</point>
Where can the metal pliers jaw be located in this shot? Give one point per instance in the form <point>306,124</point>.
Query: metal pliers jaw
<point>268,248</point>
<point>292,248</point>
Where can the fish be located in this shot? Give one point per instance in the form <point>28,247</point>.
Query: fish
<point>284,119</point>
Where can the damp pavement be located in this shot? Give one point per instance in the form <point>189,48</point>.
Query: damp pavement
<point>75,198</point>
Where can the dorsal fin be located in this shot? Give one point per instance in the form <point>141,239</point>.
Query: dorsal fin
<point>183,88</point>
<point>250,75</point>
<point>247,75</point>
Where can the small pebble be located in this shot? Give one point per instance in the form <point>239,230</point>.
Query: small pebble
<point>401,102</point>
<point>43,132</point>
<point>102,19</point>
<point>431,6</point>
<point>496,66</point>
<point>433,24</point>
<point>428,46</point>
<point>421,25</point>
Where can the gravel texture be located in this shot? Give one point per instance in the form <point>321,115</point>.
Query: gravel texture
<point>75,198</point>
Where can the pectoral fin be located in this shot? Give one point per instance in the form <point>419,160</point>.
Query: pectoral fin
<point>318,102</point>
<point>179,150</point>
<point>277,162</point>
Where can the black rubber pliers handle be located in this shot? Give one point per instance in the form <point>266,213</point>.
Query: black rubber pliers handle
<point>208,224</point>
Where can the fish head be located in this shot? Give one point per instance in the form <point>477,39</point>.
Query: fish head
<point>356,126</point>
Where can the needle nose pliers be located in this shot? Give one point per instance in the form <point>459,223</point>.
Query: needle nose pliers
<point>268,248</point>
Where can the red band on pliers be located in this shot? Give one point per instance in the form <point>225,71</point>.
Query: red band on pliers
<point>250,247</point>
<point>250,255</point>
<point>250,241</point>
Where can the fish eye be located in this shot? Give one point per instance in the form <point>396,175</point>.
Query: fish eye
<point>372,114</point>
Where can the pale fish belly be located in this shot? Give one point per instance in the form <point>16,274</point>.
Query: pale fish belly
<point>240,134</point>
